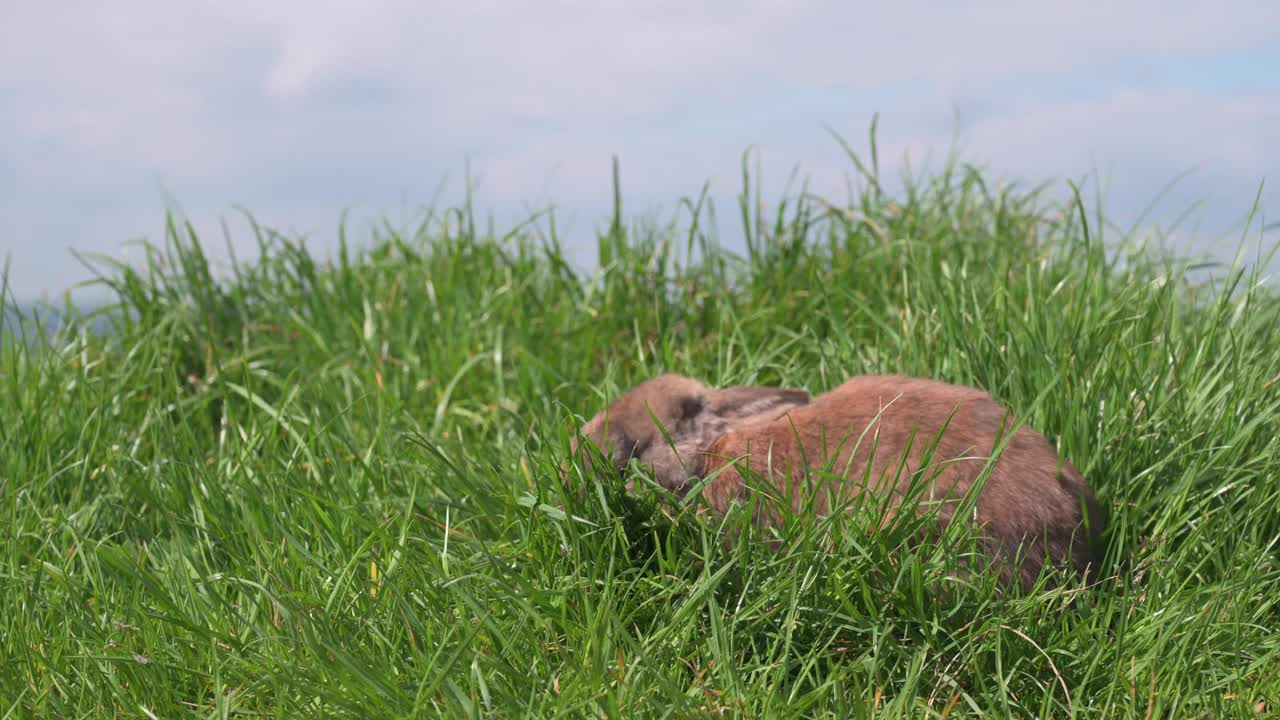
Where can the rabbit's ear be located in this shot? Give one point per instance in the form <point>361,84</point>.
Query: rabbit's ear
<point>735,403</point>
<point>699,418</point>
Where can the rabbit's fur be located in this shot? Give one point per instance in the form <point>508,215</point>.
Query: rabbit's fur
<point>1033,503</point>
<point>692,414</point>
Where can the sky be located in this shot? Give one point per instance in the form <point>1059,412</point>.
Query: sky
<point>111,112</point>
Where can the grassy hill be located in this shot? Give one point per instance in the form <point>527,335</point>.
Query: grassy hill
<point>328,488</point>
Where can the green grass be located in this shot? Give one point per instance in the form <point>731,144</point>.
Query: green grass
<point>329,489</point>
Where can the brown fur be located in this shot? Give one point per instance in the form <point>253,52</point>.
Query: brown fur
<point>692,414</point>
<point>1032,502</point>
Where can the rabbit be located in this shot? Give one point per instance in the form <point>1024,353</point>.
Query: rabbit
<point>1033,502</point>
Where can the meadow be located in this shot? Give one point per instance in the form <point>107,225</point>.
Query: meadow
<point>327,486</point>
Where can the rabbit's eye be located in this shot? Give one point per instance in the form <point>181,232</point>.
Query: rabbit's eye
<point>628,447</point>
<point>691,406</point>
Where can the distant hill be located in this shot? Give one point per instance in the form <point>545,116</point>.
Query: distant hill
<point>25,318</point>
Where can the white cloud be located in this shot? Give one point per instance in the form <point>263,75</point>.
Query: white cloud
<point>547,59</point>
<point>1168,130</point>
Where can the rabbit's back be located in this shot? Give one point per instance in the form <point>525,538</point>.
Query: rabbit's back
<point>862,430</point>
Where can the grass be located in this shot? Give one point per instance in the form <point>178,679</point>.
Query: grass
<point>329,488</point>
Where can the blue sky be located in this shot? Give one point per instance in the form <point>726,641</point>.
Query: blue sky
<point>298,111</point>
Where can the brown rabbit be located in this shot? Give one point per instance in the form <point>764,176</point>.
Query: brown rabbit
<point>1032,502</point>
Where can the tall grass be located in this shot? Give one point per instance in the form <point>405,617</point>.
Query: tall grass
<point>328,487</point>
